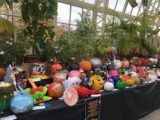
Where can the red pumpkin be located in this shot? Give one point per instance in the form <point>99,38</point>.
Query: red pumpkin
<point>55,90</point>
<point>144,62</point>
<point>85,65</point>
<point>2,73</point>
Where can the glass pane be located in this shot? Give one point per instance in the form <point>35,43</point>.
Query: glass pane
<point>5,9</point>
<point>135,11</point>
<point>90,13</point>
<point>101,4</point>
<point>141,10</point>
<point>75,14</point>
<point>128,9</point>
<point>63,13</point>
<point>156,6</point>
<point>99,19</point>
<point>112,4</point>
<point>139,2</point>
<point>73,28</point>
<point>153,1</point>
<point>17,10</point>
<point>90,1</point>
<point>150,8</point>
<point>120,5</point>
<point>109,18</point>
<point>158,33</point>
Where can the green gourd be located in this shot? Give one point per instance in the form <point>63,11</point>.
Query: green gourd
<point>120,85</point>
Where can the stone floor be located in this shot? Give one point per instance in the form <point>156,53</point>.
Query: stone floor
<point>152,116</point>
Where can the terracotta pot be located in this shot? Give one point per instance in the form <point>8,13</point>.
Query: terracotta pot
<point>2,73</point>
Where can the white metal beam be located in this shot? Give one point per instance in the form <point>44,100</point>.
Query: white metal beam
<point>93,7</point>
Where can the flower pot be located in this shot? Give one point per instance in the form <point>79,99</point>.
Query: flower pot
<point>2,73</point>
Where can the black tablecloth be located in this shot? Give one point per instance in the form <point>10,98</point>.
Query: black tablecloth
<point>128,104</point>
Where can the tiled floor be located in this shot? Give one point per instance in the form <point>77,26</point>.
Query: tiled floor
<point>153,116</point>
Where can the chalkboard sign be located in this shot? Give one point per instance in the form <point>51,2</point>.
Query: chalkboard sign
<point>92,108</point>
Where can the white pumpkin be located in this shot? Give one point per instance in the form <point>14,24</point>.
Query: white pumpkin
<point>108,86</point>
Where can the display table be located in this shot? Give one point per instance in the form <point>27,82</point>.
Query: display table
<point>128,104</point>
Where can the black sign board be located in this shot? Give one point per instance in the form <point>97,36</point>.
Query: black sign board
<point>92,108</point>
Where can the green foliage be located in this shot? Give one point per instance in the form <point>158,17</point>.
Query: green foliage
<point>35,10</point>
<point>127,35</point>
<point>79,44</point>
<point>37,15</point>
<point>13,51</point>
<point>6,26</point>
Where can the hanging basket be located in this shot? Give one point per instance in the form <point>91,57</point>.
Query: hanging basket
<point>133,3</point>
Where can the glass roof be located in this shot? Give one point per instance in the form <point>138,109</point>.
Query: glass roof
<point>122,7</point>
<point>99,10</point>
<point>90,1</point>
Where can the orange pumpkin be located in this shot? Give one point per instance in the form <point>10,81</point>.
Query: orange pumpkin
<point>55,90</point>
<point>56,66</point>
<point>2,73</point>
<point>83,75</point>
<point>125,63</point>
<point>130,82</point>
<point>85,65</point>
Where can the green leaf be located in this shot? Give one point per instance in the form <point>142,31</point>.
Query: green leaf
<point>2,2</point>
<point>6,26</point>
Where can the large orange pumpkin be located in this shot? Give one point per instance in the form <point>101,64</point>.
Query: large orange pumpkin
<point>55,90</point>
<point>2,73</point>
<point>85,65</point>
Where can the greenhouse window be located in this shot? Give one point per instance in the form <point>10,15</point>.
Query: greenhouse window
<point>120,5</point>
<point>63,13</point>
<point>75,14</point>
<point>90,1</point>
<point>112,4</point>
<point>128,9</point>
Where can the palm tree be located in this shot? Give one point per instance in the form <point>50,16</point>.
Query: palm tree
<point>5,25</point>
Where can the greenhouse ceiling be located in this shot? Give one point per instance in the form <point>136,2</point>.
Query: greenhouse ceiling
<point>123,7</point>
<point>100,11</point>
